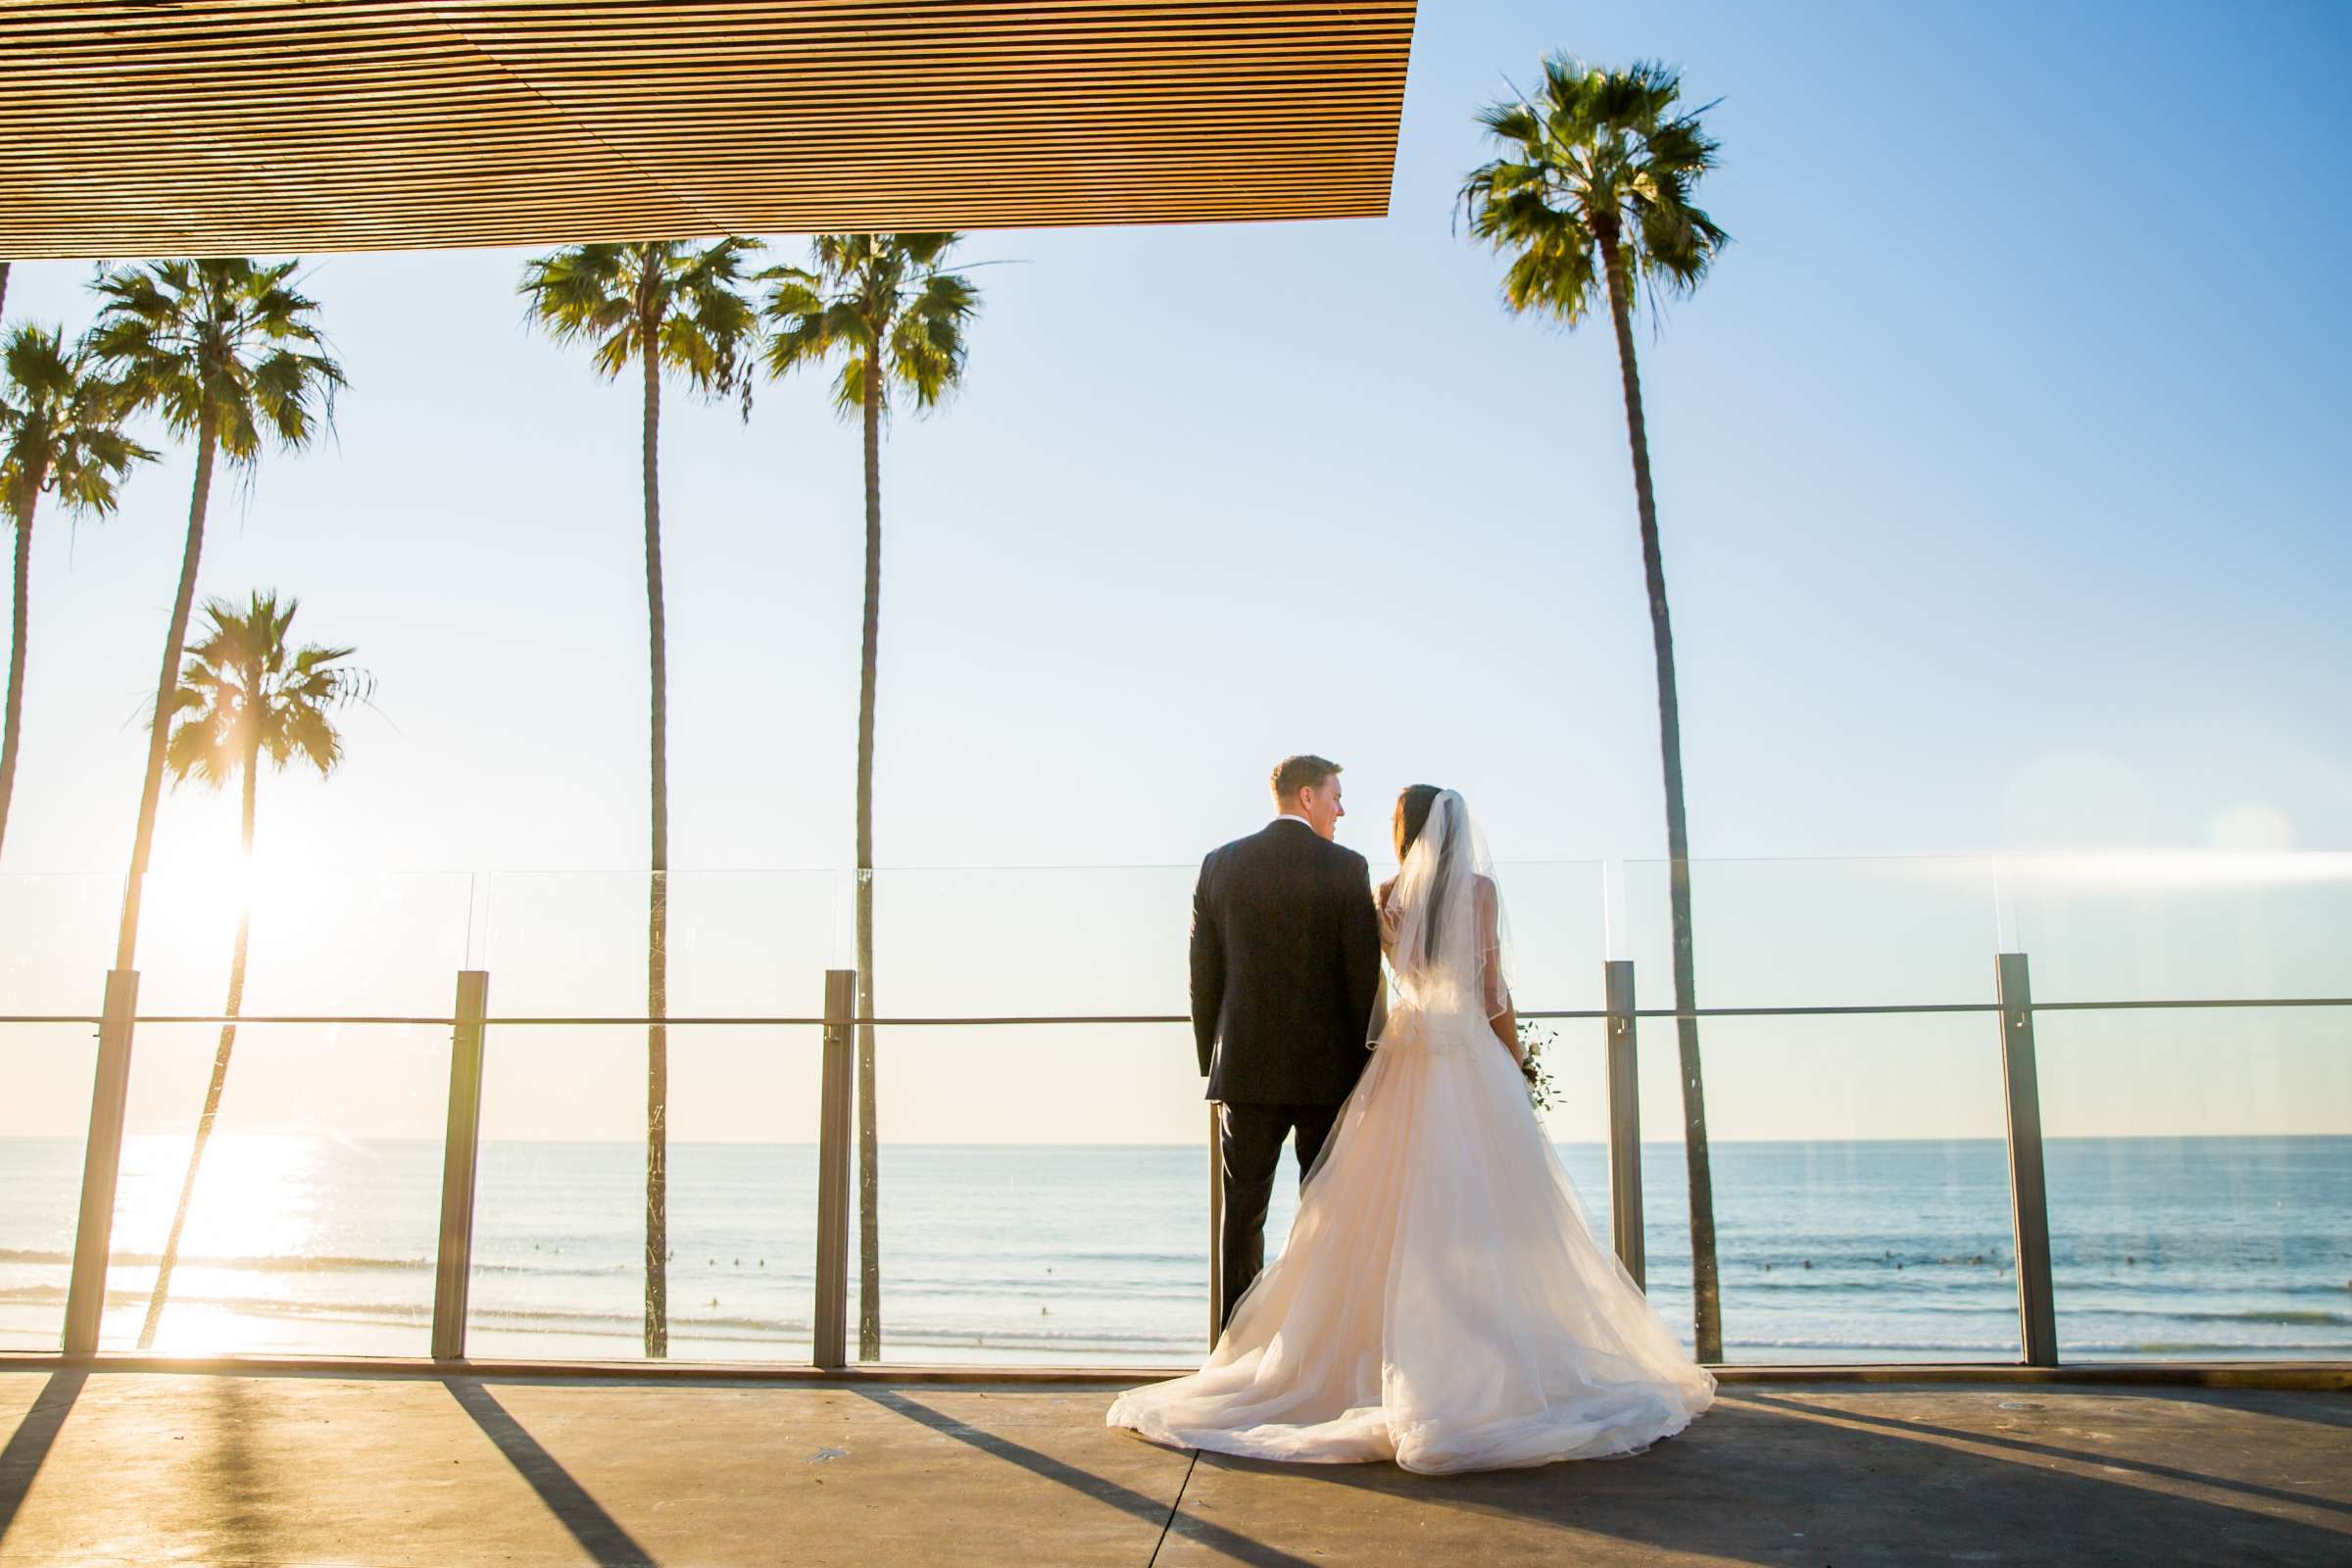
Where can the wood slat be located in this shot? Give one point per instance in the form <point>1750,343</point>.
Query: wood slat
<point>278,125</point>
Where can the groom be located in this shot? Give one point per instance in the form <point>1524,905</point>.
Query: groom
<point>1286,964</point>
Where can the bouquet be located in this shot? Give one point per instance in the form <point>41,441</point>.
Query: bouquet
<point>1533,1040</point>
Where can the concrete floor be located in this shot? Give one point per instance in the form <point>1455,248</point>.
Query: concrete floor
<point>147,1468</point>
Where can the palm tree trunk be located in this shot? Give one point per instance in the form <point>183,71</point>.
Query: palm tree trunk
<point>657,914</point>
<point>869,1177</point>
<point>220,1080</point>
<point>1706,1298</point>
<point>3,286</point>
<point>28,497</point>
<point>151,788</point>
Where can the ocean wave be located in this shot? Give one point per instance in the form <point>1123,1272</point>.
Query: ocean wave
<point>2283,1318</point>
<point>403,1313</point>
<point>307,1264</point>
<point>269,1263</point>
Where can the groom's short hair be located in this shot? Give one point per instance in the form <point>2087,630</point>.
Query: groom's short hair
<point>1303,771</point>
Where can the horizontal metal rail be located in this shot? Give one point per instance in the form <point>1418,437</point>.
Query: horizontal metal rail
<point>2215,1002</point>
<point>353,1018</point>
<point>1857,1011</point>
<point>957,1022</point>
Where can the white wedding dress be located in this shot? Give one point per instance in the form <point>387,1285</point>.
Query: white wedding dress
<point>1440,1301</point>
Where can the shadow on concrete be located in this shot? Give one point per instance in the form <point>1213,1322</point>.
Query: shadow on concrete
<point>1233,1544</point>
<point>29,1444</point>
<point>1753,1483</point>
<point>237,1486</point>
<point>599,1534</point>
<point>2320,1409</point>
<point>2050,1451</point>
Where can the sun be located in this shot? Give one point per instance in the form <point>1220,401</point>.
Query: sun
<point>200,881</point>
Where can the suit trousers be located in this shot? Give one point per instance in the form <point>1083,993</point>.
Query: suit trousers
<point>1250,1146</point>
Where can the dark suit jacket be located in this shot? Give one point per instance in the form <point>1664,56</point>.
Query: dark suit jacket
<point>1286,964</point>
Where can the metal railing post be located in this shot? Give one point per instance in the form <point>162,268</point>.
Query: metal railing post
<point>1625,1121</point>
<point>461,1159</point>
<point>101,1164</point>
<point>2029,1196</point>
<point>831,1320</point>
<point>1216,1227</point>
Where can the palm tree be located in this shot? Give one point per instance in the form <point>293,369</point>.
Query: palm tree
<point>60,430</point>
<point>246,695</point>
<point>883,307</point>
<point>1592,196</point>
<point>660,305</point>
<point>228,352</point>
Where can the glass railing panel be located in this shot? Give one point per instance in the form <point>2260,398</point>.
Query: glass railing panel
<point>313,1218</point>
<point>2199,1167</point>
<point>1860,1181</point>
<point>44,1119</point>
<point>1790,933</point>
<point>311,1223</point>
<point>560,1213</point>
<point>2153,926</point>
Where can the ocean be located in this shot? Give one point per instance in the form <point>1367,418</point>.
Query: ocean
<point>1062,1255</point>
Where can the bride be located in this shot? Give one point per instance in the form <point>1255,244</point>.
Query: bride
<point>1440,1301</point>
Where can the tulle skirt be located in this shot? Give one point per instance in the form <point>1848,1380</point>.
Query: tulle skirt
<point>1440,1301</point>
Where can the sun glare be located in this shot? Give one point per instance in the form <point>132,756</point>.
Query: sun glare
<point>194,896</point>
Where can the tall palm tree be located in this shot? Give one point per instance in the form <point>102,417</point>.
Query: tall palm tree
<point>246,696</point>
<point>661,304</point>
<point>228,350</point>
<point>882,305</point>
<point>60,430</point>
<point>1592,198</point>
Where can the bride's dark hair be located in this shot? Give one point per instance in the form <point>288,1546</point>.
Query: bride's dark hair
<point>1412,815</point>
<point>1413,803</point>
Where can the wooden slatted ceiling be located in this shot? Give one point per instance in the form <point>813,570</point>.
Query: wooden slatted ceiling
<point>271,127</point>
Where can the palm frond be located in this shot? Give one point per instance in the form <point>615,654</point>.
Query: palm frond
<point>245,687</point>
<point>223,340</point>
<point>1595,162</point>
<point>688,301</point>
<point>867,298</point>
<point>61,426</point>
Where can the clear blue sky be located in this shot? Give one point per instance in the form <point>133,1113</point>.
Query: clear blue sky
<point>2000,467</point>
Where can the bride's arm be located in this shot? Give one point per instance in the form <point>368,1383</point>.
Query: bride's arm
<point>1501,1016</point>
